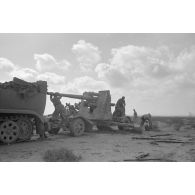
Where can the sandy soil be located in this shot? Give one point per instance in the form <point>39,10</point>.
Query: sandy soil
<point>110,146</point>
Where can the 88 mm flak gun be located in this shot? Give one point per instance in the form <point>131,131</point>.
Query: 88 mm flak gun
<point>94,109</point>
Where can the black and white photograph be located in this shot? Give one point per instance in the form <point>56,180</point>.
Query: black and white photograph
<point>97,97</point>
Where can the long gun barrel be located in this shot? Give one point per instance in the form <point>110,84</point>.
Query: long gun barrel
<point>82,97</point>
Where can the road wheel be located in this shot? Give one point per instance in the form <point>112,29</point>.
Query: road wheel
<point>26,129</point>
<point>120,127</point>
<point>77,127</point>
<point>54,131</point>
<point>9,131</point>
<point>100,127</point>
<point>125,119</point>
<point>88,127</point>
<point>104,127</point>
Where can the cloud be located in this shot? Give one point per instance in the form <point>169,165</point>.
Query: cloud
<point>148,76</point>
<point>85,83</point>
<point>185,60</point>
<point>32,75</point>
<point>46,62</point>
<point>27,74</point>
<point>87,54</point>
<point>8,70</point>
<point>142,61</point>
<point>52,78</point>
<point>137,66</point>
<point>6,65</point>
<point>112,75</point>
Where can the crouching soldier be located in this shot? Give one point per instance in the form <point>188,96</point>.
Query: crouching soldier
<point>146,122</point>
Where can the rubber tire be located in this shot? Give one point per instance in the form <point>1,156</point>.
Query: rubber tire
<point>100,127</point>
<point>88,127</point>
<point>77,127</point>
<point>30,127</point>
<point>103,128</point>
<point>54,131</point>
<point>120,127</point>
<point>16,133</point>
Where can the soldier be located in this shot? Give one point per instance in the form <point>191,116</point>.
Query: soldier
<point>120,105</point>
<point>119,108</point>
<point>59,108</point>
<point>40,129</point>
<point>134,114</point>
<point>146,118</point>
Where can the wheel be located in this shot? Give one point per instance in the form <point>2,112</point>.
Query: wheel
<point>9,131</point>
<point>53,127</point>
<point>125,119</point>
<point>100,127</point>
<point>120,127</point>
<point>88,127</point>
<point>26,129</point>
<point>77,127</point>
<point>104,127</point>
<point>54,131</point>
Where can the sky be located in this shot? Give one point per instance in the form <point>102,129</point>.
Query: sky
<point>155,72</point>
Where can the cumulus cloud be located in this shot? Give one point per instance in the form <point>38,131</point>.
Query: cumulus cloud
<point>85,83</point>
<point>32,75</point>
<point>46,62</point>
<point>8,70</point>
<point>135,66</point>
<point>111,74</point>
<point>149,76</point>
<point>52,78</point>
<point>27,74</point>
<point>87,54</point>
<point>142,61</point>
<point>6,65</point>
<point>185,60</point>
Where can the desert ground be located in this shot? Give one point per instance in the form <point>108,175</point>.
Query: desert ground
<point>172,139</point>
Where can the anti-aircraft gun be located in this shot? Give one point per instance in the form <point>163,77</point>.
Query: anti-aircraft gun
<point>94,109</point>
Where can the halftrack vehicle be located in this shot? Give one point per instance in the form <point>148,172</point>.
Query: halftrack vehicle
<point>22,105</point>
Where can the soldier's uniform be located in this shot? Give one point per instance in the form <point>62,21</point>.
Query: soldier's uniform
<point>146,117</point>
<point>59,108</point>
<point>134,115</point>
<point>120,106</point>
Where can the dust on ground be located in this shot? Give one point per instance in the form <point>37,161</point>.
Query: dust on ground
<point>172,139</point>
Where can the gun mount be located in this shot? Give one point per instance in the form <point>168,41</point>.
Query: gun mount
<point>93,106</point>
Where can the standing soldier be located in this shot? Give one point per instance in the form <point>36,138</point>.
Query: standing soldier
<point>120,107</point>
<point>134,115</point>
